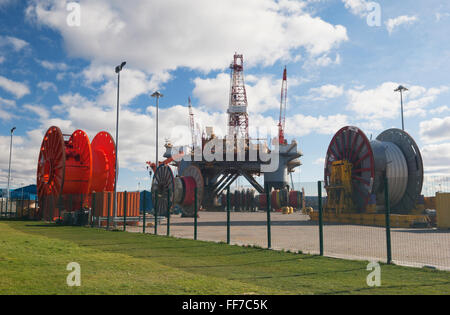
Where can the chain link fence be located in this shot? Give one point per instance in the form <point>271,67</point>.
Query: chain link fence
<point>420,237</point>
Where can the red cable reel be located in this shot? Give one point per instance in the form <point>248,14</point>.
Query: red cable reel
<point>69,170</point>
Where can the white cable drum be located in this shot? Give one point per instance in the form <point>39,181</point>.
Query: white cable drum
<point>396,172</point>
<point>178,193</point>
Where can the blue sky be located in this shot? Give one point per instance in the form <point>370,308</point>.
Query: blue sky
<point>341,71</point>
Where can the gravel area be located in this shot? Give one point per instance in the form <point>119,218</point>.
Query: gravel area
<point>295,232</point>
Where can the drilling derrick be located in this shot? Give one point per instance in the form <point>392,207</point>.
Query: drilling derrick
<point>237,110</point>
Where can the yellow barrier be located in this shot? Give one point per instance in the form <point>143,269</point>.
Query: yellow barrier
<point>443,210</point>
<point>397,221</point>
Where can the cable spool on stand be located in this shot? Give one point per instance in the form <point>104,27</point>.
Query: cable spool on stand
<point>355,169</point>
<point>104,162</point>
<point>163,182</point>
<point>68,170</point>
<point>182,189</point>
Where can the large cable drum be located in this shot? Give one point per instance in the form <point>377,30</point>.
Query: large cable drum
<point>104,162</point>
<point>394,154</point>
<point>408,174</point>
<point>193,178</point>
<point>351,144</point>
<point>162,189</point>
<point>181,189</point>
<point>67,169</point>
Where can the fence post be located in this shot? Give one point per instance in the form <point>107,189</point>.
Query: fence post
<point>269,206</point>
<point>41,206</point>
<point>144,213</point>
<point>125,209</point>
<point>228,215</point>
<point>168,212</point>
<point>109,210</point>
<point>93,210</point>
<point>388,220</point>
<point>319,189</point>
<point>195,214</point>
<point>156,213</point>
<point>21,207</point>
<point>59,204</point>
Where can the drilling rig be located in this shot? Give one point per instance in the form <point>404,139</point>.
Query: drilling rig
<point>211,178</point>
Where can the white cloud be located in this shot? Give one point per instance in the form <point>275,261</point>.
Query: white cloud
<point>213,93</point>
<point>6,109</point>
<point>38,110</point>
<point>436,158</point>
<point>440,110</point>
<point>391,24</point>
<point>327,91</point>
<point>357,7</point>
<point>319,161</point>
<point>325,125</point>
<point>2,59</point>
<point>16,43</point>
<point>16,88</point>
<point>166,34</point>
<point>382,102</point>
<point>44,85</point>
<point>440,16</point>
<point>263,92</point>
<point>24,158</point>
<point>132,83</point>
<point>435,130</point>
<point>7,103</point>
<point>60,66</point>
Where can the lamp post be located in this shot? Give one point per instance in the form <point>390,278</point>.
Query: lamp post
<point>118,70</point>
<point>9,169</point>
<point>401,89</point>
<point>157,94</point>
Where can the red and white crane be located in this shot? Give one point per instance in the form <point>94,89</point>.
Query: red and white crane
<point>191,124</point>
<point>283,104</point>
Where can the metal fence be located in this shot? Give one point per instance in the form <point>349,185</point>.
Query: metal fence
<point>381,236</point>
<point>17,208</point>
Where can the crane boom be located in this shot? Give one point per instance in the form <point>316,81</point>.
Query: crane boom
<point>283,103</point>
<point>191,124</point>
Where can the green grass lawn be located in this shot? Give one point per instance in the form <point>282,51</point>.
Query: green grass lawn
<point>34,256</point>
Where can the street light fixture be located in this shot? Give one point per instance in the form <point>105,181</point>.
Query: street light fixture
<point>157,94</point>
<point>9,169</point>
<point>118,70</point>
<point>401,89</point>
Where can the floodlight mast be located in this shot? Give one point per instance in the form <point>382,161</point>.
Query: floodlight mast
<point>401,89</point>
<point>9,168</point>
<point>118,70</point>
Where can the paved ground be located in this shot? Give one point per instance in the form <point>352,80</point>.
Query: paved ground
<point>295,232</point>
